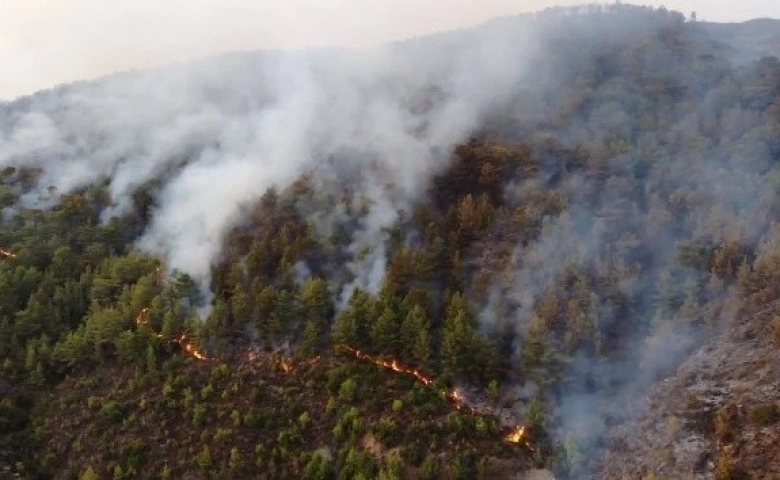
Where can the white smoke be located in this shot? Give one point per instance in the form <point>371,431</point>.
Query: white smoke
<point>222,131</point>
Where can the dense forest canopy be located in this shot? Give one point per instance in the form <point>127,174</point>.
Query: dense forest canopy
<point>543,214</point>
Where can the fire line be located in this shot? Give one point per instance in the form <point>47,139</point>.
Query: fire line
<point>183,340</point>
<point>516,435</point>
<point>453,395</point>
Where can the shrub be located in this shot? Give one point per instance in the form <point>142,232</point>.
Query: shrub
<point>235,415</point>
<point>204,458</point>
<point>387,431</point>
<point>413,453</point>
<point>318,468</point>
<point>89,474</point>
<point>332,405</point>
<point>207,391</point>
<point>166,473</point>
<point>252,418</point>
<point>132,454</point>
<point>199,414</point>
<point>348,390</point>
<point>112,412</point>
<point>430,469</point>
<point>235,462</point>
<point>304,420</point>
<point>765,414</point>
<point>222,434</point>
<point>220,372</point>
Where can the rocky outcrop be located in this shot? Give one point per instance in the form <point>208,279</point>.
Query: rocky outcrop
<point>717,417</point>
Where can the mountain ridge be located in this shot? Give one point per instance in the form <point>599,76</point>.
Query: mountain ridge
<point>545,222</point>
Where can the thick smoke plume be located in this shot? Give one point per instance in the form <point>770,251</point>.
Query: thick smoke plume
<point>221,132</point>
<point>699,174</point>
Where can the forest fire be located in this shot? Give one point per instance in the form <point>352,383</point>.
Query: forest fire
<point>286,365</point>
<point>393,365</point>
<point>189,346</point>
<point>453,395</point>
<point>143,317</point>
<point>182,340</point>
<point>516,435</point>
<point>7,254</point>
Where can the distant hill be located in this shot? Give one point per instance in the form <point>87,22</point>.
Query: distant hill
<point>749,40</point>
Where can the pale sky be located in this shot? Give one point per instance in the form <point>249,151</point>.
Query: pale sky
<point>47,42</point>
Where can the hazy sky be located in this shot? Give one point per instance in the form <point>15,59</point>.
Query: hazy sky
<point>47,42</point>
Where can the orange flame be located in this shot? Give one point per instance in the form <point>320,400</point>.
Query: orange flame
<point>516,435</point>
<point>143,317</point>
<point>455,396</point>
<point>183,340</point>
<point>7,254</point>
<point>190,347</point>
<point>286,365</point>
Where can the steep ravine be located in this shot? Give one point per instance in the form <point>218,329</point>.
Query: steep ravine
<point>717,417</point>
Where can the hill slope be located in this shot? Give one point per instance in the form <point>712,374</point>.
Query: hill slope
<point>750,40</point>
<point>717,416</point>
<point>521,228</point>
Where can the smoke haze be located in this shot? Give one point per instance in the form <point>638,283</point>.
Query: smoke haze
<point>222,131</point>
<point>46,42</point>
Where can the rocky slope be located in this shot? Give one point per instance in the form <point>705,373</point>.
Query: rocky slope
<point>717,417</point>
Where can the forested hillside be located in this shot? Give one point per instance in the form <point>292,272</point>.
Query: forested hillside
<point>459,256</point>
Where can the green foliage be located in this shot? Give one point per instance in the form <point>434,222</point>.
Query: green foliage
<point>413,452</point>
<point>318,468</point>
<point>358,464</point>
<point>332,405</point>
<point>304,420</point>
<point>235,415</point>
<point>348,390</point>
<point>465,352</point>
<point>222,435</point>
<point>207,391</point>
<point>199,414</point>
<point>220,372</point>
<point>387,432</point>
<point>235,462</point>
<point>112,412</point>
<point>89,474</point>
<point>464,465</point>
<point>429,469</point>
<point>203,459</point>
